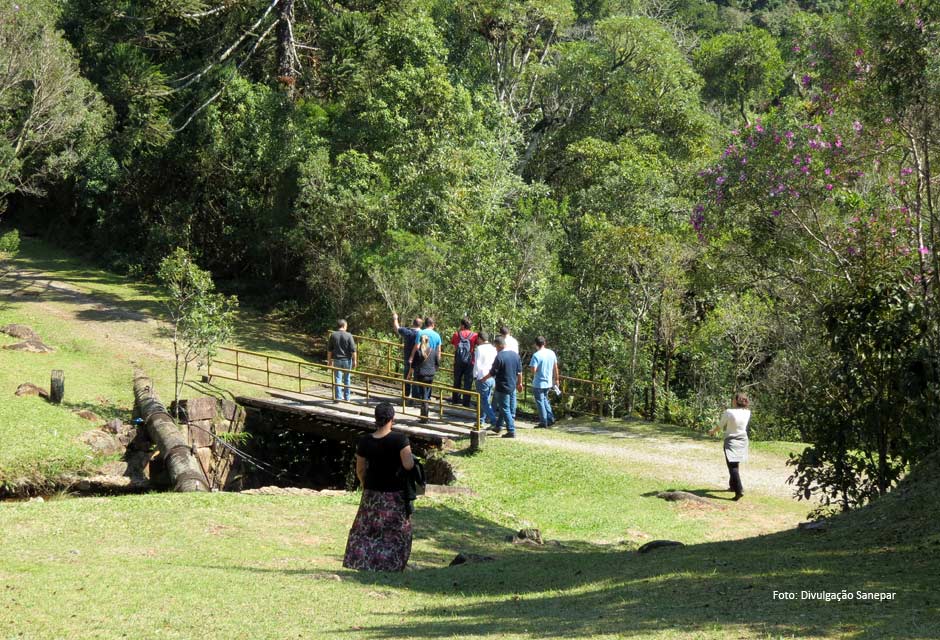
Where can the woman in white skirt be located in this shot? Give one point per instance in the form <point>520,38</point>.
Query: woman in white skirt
<point>734,422</point>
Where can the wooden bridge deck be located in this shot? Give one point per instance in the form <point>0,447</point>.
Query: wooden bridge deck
<point>357,415</point>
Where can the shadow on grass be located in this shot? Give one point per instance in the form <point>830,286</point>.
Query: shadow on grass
<point>711,494</point>
<point>104,410</point>
<point>726,588</point>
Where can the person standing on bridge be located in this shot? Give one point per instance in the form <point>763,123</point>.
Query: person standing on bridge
<point>507,372</point>
<point>380,537</point>
<point>483,358</point>
<point>544,365</point>
<point>511,345</point>
<point>409,336</point>
<point>734,422</point>
<point>434,338</point>
<point>424,365</point>
<point>464,342</point>
<point>341,353</point>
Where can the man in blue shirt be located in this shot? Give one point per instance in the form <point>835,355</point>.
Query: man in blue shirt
<point>408,337</point>
<point>544,365</point>
<point>434,338</point>
<point>507,372</point>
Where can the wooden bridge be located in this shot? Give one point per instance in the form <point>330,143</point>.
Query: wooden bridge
<point>305,391</point>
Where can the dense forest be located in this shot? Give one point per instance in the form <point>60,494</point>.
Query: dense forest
<point>687,197</point>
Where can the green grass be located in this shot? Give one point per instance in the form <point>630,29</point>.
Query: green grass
<point>100,327</point>
<point>234,566</point>
<point>238,566</point>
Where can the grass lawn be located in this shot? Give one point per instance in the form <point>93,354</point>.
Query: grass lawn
<point>247,566</point>
<point>101,326</point>
<point>237,566</point>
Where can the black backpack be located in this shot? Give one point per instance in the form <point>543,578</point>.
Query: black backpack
<point>464,353</point>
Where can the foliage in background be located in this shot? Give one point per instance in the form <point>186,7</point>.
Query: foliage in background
<point>687,198</point>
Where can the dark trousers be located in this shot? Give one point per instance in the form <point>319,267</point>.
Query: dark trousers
<point>463,379</point>
<point>421,393</point>
<point>735,475</point>
<point>404,374</point>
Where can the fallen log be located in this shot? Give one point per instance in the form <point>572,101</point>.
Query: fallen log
<point>182,466</point>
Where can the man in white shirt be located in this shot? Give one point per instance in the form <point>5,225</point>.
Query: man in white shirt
<point>511,345</point>
<point>483,357</point>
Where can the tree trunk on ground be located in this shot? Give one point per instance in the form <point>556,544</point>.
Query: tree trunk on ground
<point>183,468</point>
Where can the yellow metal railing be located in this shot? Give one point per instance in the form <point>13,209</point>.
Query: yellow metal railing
<point>286,374</point>
<point>578,395</point>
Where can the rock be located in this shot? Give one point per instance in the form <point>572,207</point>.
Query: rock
<point>201,408</point>
<point>658,544</point>
<point>114,426</point>
<point>229,409</point>
<point>204,455</point>
<point>680,496</point>
<point>526,536</point>
<point>20,331</point>
<point>101,442</point>
<point>36,499</point>
<point>87,414</point>
<point>469,558</point>
<point>29,389</point>
<point>817,526</point>
<point>34,345</point>
<point>200,433</point>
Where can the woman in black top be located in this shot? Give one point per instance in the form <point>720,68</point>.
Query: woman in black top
<point>424,365</point>
<point>380,538</point>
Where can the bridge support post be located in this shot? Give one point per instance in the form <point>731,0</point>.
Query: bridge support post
<point>477,437</point>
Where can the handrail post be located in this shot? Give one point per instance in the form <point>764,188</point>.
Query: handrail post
<point>300,386</point>
<point>476,426</point>
<point>267,368</point>
<point>237,369</point>
<point>367,377</point>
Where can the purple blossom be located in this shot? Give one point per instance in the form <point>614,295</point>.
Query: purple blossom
<point>806,80</point>
<point>828,171</point>
<point>720,180</point>
<point>857,126</point>
<point>906,171</point>
<point>923,250</point>
<point>828,187</point>
<point>775,213</point>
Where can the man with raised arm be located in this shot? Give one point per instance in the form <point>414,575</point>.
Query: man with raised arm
<point>409,337</point>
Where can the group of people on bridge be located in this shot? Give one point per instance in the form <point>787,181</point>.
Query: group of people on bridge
<point>493,369</point>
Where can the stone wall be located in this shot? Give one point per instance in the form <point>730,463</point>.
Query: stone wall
<point>203,422</point>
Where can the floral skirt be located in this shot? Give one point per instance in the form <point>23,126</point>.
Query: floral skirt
<point>380,538</point>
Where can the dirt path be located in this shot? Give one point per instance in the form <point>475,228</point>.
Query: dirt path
<point>689,464</point>
<point>133,332</point>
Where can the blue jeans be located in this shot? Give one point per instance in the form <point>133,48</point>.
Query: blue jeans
<point>341,378</point>
<point>422,393</point>
<point>485,389</point>
<point>546,416</point>
<point>503,403</point>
